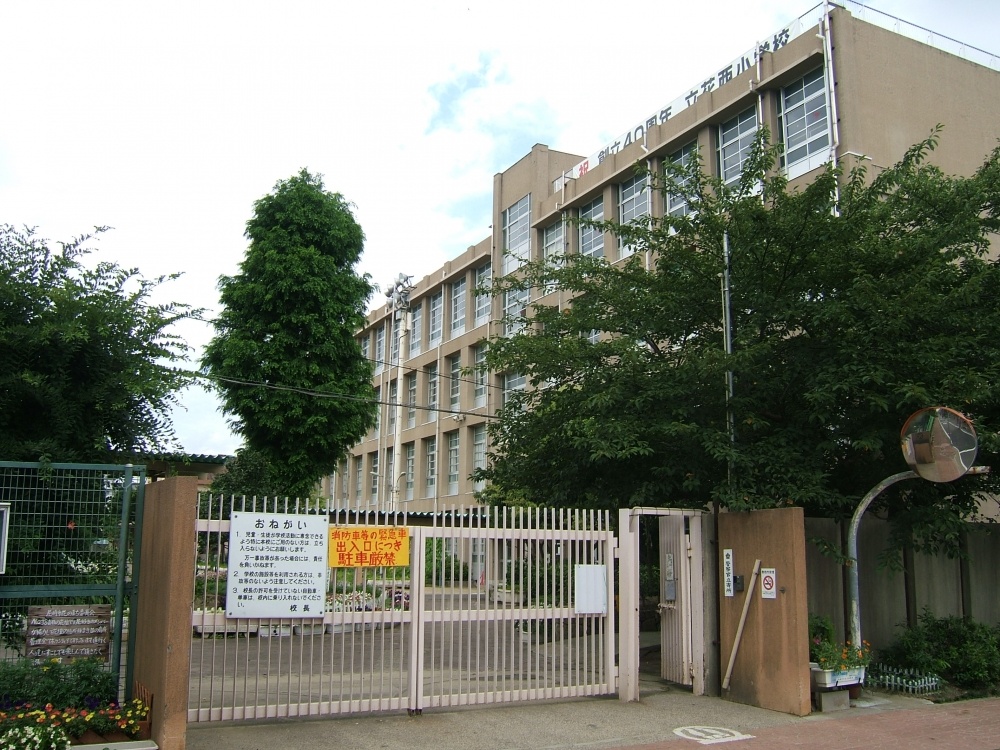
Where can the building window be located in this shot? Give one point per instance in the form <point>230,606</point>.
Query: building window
<point>373,489</point>
<point>458,307</point>
<point>633,203</point>
<point>515,307</point>
<point>484,275</point>
<point>344,478</point>
<point>594,336</point>
<point>736,136</point>
<point>393,404</point>
<point>453,462</point>
<point>435,315</point>
<point>592,238</point>
<point>516,235</point>
<point>803,123</point>
<point>455,383</point>
<point>677,205</point>
<point>432,392</point>
<point>411,400</point>
<point>394,344</point>
<point>409,454</point>
<point>359,477</point>
<point>379,348</point>
<point>480,375</point>
<point>416,329</point>
<point>378,411</point>
<point>366,347</point>
<point>553,249</point>
<point>478,452</point>
<point>430,467</point>
<point>512,383</point>
<point>390,474</point>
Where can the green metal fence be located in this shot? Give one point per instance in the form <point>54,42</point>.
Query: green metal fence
<point>70,563</point>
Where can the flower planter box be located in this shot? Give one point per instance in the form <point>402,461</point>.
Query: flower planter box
<point>828,678</point>
<point>91,739</point>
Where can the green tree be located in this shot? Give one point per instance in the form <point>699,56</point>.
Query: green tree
<point>284,355</point>
<point>249,473</point>
<point>87,363</point>
<point>854,302</point>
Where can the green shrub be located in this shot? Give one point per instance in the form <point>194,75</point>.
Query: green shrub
<point>964,652</point>
<point>442,567</point>
<point>84,683</point>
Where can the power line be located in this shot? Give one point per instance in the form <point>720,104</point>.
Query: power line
<point>331,394</point>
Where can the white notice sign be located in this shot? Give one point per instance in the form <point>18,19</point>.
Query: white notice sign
<point>727,571</point>
<point>277,565</point>
<point>768,584</point>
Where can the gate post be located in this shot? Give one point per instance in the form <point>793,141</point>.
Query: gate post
<point>166,590</point>
<point>628,610</point>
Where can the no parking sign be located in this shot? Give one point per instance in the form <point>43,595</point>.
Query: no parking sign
<point>768,583</point>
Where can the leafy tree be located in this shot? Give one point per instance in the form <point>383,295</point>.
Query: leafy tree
<point>284,355</point>
<point>85,360</point>
<point>854,302</point>
<point>248,473</point>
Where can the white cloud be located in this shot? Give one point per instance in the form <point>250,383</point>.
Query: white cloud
<point>167,120</point>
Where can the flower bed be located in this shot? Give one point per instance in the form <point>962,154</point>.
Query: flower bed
<point>56,728</point>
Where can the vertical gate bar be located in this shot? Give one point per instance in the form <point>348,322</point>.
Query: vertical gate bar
<point>134,582</point>
<point>415,702</point>
<point>116,640</point>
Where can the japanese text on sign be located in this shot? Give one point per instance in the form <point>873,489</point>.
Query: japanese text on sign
<point>277,565</point>
<point>369,546</point>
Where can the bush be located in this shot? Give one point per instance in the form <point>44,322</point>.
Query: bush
<point>84,683</point>
<point>964,652</point>
<point>442,567</point>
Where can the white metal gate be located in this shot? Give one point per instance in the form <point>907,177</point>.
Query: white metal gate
<point>429,635</point>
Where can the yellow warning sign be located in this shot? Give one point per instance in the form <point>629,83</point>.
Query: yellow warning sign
<point>369,546</point>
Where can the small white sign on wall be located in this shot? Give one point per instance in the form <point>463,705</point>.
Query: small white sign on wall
<point>727,571</point>
<point>768,583</point>
<point>591,589</point>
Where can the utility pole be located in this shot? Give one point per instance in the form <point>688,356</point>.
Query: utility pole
<point>398,293</point>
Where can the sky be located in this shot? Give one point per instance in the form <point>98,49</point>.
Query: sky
<point>167,120</point>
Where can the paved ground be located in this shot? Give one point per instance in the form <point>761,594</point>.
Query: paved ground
<point>875,721</point>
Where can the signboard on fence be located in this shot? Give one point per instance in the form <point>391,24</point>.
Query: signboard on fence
<point>369,546</point>
<point>68,631</point>
<point>277,565</point>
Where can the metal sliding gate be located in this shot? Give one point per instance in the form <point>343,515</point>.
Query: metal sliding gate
<point>489,610</point>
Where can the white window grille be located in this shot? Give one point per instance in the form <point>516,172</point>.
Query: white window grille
<point>592,238</point>
<point>804,124</point>
<point>411,400</point>
<point>736,136</point>
<point>516,235</point>
<point>409,453</point>
<point>633,203</point>
<point>677,205</point>
<point>480,375</point>
<point>379,349</point>
<point>515,308</point>
<point>455,382</point>
<point>553,248</point>
<point>435,316</point>
<point>430,473</point>
<point>458,307</point>
<point>453,463</point>
<point>478,452</point>
<point>484,275</point>
<point>416,329</point>
<point>432,391</point>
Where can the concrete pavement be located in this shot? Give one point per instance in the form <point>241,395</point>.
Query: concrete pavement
<point>656,721</point>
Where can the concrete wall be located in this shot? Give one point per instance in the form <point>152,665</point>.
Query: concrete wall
<point>166,590</point>
<point>771,669</point>
<point>936,581</point>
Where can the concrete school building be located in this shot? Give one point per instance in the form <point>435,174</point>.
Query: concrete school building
<point>842,82</point>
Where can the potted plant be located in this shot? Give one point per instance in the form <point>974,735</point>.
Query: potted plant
<point>835,664</point>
